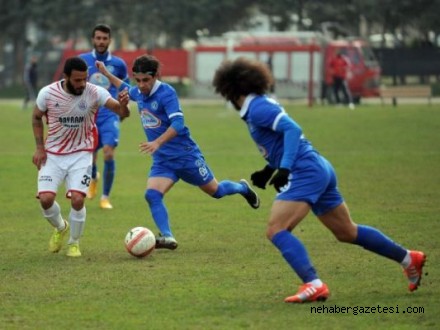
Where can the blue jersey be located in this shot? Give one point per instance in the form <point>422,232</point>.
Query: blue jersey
<point>278,138</point>
<point>113,64</point>
<point>156,111</point>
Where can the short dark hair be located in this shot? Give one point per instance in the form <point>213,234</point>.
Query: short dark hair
<point>146,64</point>
<point>103,28</point>
<point>74,63</point>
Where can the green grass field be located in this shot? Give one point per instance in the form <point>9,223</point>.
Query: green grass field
<point>225,274</point>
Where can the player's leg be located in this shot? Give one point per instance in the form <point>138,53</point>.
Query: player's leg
<point>108,176</point>
<point>202,176</point>
<point>334,214</point>
<point>284,217</point>
<point>77,183</point>
<point>50,177</point>
<point>345,230</point>
<point>160,181</point>
<point>109,137</point>
<point>77,219</point>
<point>93,187</point>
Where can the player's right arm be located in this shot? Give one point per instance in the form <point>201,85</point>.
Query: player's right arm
<point>40,156</point>
<point>113,79</point>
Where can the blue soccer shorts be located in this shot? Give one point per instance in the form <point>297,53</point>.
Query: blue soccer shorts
<point>108,131</point>
<point>191,169</point>
<point>313,180</point>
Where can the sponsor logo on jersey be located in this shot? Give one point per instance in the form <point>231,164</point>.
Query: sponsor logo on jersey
<point>149,120</point>
<point>71,121</point>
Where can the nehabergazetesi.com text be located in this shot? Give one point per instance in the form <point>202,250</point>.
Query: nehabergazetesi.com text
<point>355,310</point>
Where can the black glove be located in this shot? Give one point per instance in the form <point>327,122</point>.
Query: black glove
<point>260,178</point>
<point>280,179</point>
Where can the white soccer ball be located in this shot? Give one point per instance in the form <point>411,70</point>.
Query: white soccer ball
<point>140,242</point>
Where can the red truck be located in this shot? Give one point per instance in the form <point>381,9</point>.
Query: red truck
<point>299,62</point>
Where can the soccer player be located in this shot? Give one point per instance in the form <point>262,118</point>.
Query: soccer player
<point>304,181</point>
<point>175,154</point>
<point>70,106</point>
<point>107,121</point>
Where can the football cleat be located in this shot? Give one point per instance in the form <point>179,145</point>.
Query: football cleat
<point>93,187</point>
<point>73,250</point>
<point>308,293</point>
<point>105,204</point>
<point>414,271</point>
<point>166,242</point>
<point>251,196</point>
<point>56,240</point>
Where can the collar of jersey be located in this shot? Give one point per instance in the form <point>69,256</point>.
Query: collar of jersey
<point>104,57</point>
<point>245,106</point>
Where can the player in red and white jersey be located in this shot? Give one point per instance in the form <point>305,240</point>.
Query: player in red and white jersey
<point>70,106</point>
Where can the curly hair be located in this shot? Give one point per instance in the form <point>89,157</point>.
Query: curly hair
<point>242,77</point>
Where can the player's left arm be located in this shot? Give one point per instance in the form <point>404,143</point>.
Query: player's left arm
<point>176,125</point>
<point>119,106</point>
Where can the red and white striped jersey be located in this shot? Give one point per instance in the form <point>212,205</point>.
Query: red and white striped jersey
<point>70,118</point>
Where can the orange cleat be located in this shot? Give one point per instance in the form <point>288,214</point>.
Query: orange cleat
<point>308,293</point>
<point>414,271</point>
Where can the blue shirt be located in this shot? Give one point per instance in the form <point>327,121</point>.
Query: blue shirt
<point>278,137</point>
<point>156,112</point>
<point>115,65</point>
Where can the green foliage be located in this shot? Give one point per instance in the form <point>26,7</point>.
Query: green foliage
<point>225,274</point>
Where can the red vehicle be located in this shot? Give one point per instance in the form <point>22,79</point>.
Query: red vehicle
<point>364,73</point>
<point>299,61</point>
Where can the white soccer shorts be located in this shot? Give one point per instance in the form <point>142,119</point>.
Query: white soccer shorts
<point>74,169</point>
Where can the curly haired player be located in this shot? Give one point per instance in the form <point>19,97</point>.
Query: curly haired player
<point>304,181</point>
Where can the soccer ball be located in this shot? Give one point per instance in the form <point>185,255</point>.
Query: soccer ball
<point>140,242</point>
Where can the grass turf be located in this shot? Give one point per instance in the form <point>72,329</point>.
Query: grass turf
<point>225,274</point>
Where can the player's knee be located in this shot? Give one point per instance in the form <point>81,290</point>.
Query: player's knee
<point>108,152</point>
<point>77,200</point>
<point>153,196</point>
<point>46,200</point>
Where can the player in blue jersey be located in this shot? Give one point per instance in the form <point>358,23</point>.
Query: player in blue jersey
<point>107,122</point>
<point>304,181</point>
<point>175,154</point>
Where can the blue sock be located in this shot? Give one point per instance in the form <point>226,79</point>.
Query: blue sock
<point>109,175</point>
<point>227,187</point>
<point>94,171</point>
<point>158,211</point>
<point>373,240</point>
<point>295,254</point>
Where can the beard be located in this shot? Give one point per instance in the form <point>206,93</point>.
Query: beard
<point>73,90</point>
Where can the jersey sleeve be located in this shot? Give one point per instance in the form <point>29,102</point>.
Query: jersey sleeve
<point>103,95</point>
<point>41,99</point>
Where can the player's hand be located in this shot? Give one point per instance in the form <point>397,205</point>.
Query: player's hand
<point>148,147</point>
<point>280,179</point>
<point>101,67</point>
<point>259,178</point>
<point>39,158</point>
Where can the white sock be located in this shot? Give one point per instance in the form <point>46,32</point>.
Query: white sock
<point>316,283</point>
<point>77,222</point>
<point>406,261</point>
<point>53,215</point>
